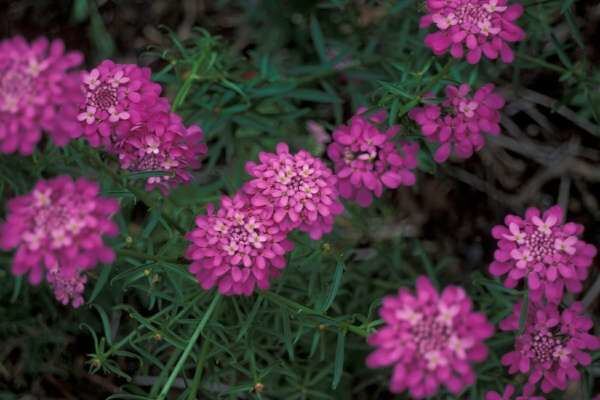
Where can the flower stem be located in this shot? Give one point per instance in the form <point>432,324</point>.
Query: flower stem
<point>188,349</point>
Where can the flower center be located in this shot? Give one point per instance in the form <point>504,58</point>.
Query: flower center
<point>102,97</point>
<point>540,245</point>
<point>546,347</point>
<point>431,334</point>
<point>15,85</point>
<point>241,234</point>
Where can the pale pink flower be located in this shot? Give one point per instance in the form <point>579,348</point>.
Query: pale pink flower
<point>552,346</point>
<point>544,251</point>
<point>39,93</point>
<point>430,340</point>
<point>297,190</point>
<point>459,122</point>
<point>367,160</point>
<point>477,27</point>
<point>116,98</point>
<point>237,248</point>
<point>57,231</point>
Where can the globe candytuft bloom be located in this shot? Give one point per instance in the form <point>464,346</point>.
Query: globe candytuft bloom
<point>553,344</point>
<point>117,96</point>
<point>39,92</point>
<point>298,190</point>
<point>474,27</point>
<point>236,248</point>
<point>508,393</point>
<point>68,288</point>
<point>366,160</point>
<point>430,339</point>
<point>57,230</point>
<point>544,251</point>
<point>161,143</point>
<point>458,123</point>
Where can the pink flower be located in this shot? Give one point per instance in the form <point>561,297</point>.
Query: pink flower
<point>430,339</point>
<point>458,123</point>
<point>116,98</point>
<point>473,26</point>
<point>553,344</point>
<point>236,248</point>
<point>366,159</point>
<point>38,93</point>
<point>544,251</point>
<point>58,229</point>
<point>161,143</point>
<point>509,391</point>
<point>68,288</point>
<point>297,190</point>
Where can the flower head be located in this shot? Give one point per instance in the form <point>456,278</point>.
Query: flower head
<point>553,344</point>
<point>473,26</point>
<point>458,123</point>
<point>298,190</point>
<point>508,393</point>
<point>57,231</point>
<point>236,248</point>
<point>366,160</point>
<point>430,339</point>
<point>116,98</point>
<point>38,93</point>
<point>161,143</point>
<point>68,288</point>
<point>544,251</point>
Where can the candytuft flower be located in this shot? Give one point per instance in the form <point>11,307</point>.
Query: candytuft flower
<point>544,251</point>
<point>116,98</point>
<point>57,231</point>
<point>366,160</point>
<point>161,143</point>
<point>508,393</point>
<point>457,124</point>
<point>429,339</point>
<point>553,344</point>
<point>236,248</point>
<point>38,93</point>
<point>298,190</point>
<point>477,27</point>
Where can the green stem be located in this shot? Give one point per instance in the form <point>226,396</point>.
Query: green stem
<point>187,83</point>
<point>144,256</point>
<point>199,367</point>
<point>188,349</point>
<point>299,308</point>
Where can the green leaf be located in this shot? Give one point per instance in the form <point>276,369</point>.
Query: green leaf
<point>316,96</point>
<point>335,285</point>
<point>100,282</point>
<point>287,333</point>
<point>317,37</point>
<point>105,323</point>
<point>338,365</point>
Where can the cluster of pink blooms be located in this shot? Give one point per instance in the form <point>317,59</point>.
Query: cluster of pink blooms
<point>430,340</point>
<point>552,345</point>
<point>39,92</point>
<point>459,122</point>
<point>124,113</point>
<point>544,251</point>
<point>237,248</point>
<point>57,231</point>
<point>508,393</point>
<point>297,190</point>
<point>366,160</point>
<point>474,27</point>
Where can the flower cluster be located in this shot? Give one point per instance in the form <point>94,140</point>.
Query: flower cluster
<point>429,339</point>
<point>544,251</point>
<point>458,123</point>
<point>508,393</point>
<point>552,345</point>
<point>237,248</point>
<point>474,27</point>
<point>38,93</point>
<point>366,160</point>
<point>57,231</point>
<point>298,190</point>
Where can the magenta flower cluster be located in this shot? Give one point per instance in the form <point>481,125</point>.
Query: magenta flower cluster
<point>366,160</point>
<point>57,231</point>
<point>430,339</point>
<point>543,251</point>
<point>39,92</point>
<point>457,124</point>
<point>473,28</point>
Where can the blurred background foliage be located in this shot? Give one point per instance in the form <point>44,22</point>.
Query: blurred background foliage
<point>253,73</point>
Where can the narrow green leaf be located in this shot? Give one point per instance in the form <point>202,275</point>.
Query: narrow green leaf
<point>100,282</point>
<point>287,333</point>
<point>338,365</point>
<point>335,285</point>
<point>317,37</point>
<point>105,323</point>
